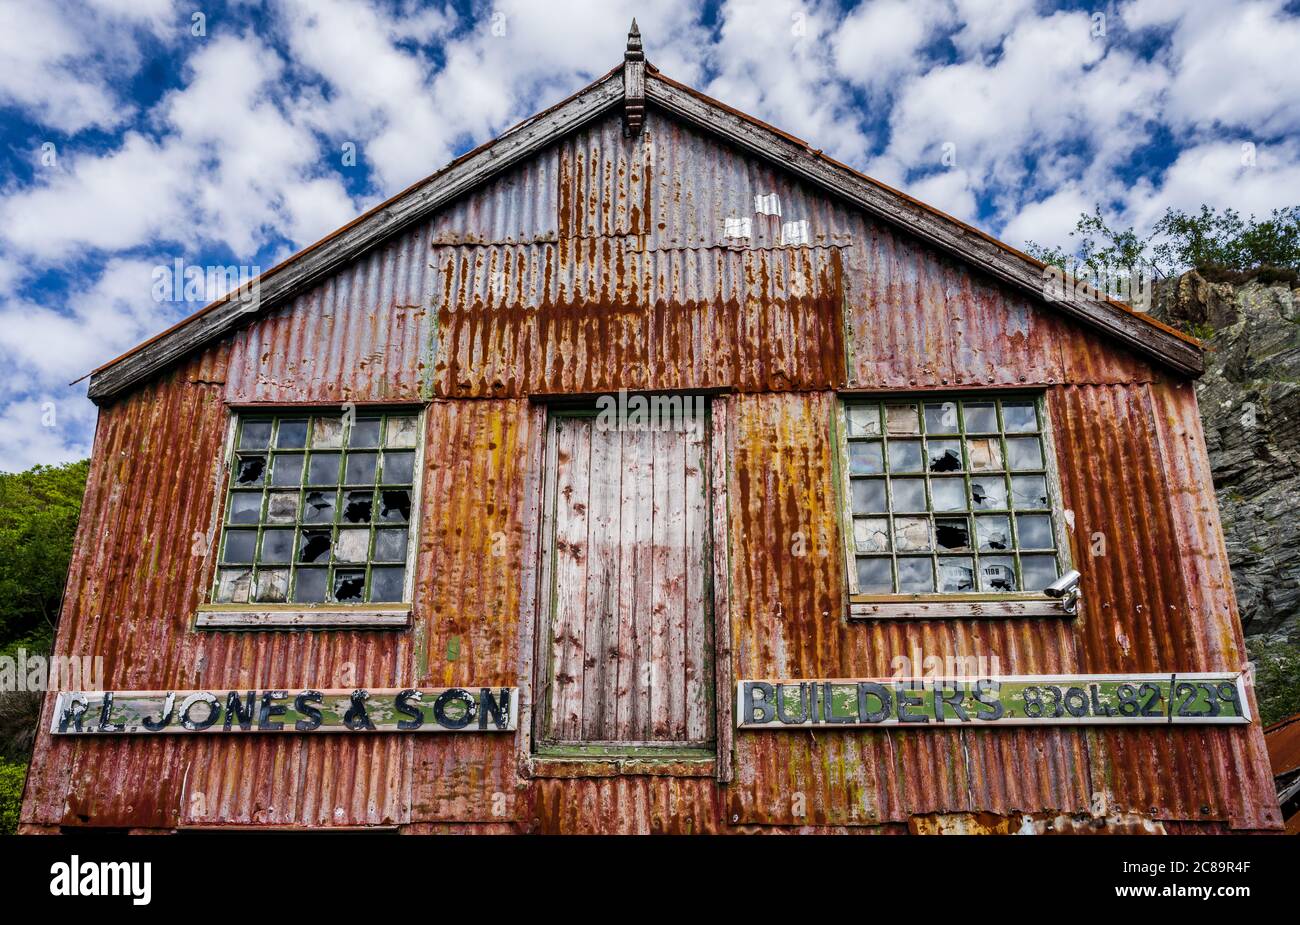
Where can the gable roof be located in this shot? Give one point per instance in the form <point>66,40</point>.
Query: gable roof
<point>949,235</point>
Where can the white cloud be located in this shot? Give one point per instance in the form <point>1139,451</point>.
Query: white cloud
<point>949,191</point>
<point>406,117</point>
<point>985,23</point>
<point>44,429</point>
<point>1233,64</point>
<point>1056,99</point>
<point>1045,118</point>
<point>1049,221</point>
<point>110,202</point>
<point>113,313</point>
<point>379,94</point>
<point>42,419</point>
<point>775,60</point>
<point>227,171</point>
<point>880,41</point>
<point>42,47</point>
<point>1214,173</point>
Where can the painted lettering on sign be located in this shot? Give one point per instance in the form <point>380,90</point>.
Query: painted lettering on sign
<point>451,709</point>
<point>1025,700</point>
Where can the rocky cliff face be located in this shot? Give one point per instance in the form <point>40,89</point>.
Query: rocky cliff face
<point>1250,406</point>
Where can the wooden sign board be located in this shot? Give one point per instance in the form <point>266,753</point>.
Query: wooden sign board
<point>1023,700</point>
<point>452,709</point>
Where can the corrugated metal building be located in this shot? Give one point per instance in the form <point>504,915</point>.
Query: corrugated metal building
<point>386,470</point>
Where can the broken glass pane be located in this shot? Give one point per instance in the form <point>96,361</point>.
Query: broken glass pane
<point>994,532</point>
<point>282,507</point>
<point>395,505</point>
<point>251,469</point>
<point>905,456</point>
<point>314,546</point>
<point>254,435</point>
<point>386,584</point>
<point>988,492</point>
<point>952,533</point>
<point>941,418</point>
<point>911,534</point>
<point>870,534</point>
<point>352,546</point>
<point>943,455</point>
<point>360,469</point>
<point>902,419</point>
<point>915,576</point>
<point>401,431</point>
<point>287,469</point>
<point>1019,417</point>
<point>1024,453</point>
<point>949,494</point>
<point>956,574</point>
<point>232,585</point>
<point>908,494</point>
<point>272,585</point>
<point>1034,531</point>
<point>874,576</point>
<point>365,432</point>
<point>309,585</point>
<point>348,586</point>
<point>323,469</point>
<point>869,496</point>
<point>981,417</point>
<point>997,573</point>
<point>239,546</point>
<point>291,435</point>
<point>863,420</point>
<point>277,546</point>
<point>1037,571</point>
<point>866,457</point>
<point>390,545</point>
<point>319,507</point>
<point>399,468</point>
<point>985,453</point>
<point>1029,490</point>
<point>245,507</point>
<point>326,433</point>
<point>357,508</point>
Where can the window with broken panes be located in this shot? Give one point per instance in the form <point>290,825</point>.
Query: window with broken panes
<point>950,496</point>
<point>318,509</point>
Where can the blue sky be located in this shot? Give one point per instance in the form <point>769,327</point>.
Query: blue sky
<point>135,133</point>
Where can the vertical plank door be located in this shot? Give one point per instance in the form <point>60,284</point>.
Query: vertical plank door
<point>629,644</point>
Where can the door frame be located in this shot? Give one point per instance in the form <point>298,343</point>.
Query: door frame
<point>537,600</point>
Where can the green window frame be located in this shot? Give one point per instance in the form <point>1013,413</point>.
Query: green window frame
<point>320,509</point>
<point>950,497</point>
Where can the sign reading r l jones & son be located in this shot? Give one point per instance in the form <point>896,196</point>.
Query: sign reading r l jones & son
<point>451,709</point>
<point>1024,700</point>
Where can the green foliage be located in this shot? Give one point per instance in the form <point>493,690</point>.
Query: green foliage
<point>20,715</point>
<point>1277,679</point>
<point>1179,241</point>
<point>12,776</point>
<point>38,518</point>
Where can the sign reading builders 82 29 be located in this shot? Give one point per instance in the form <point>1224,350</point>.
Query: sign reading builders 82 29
<point>452,709</point>
<point>1026,700</point>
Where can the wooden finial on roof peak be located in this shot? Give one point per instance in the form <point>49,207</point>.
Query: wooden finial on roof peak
<point>633,83</point>
<point>634,48</point>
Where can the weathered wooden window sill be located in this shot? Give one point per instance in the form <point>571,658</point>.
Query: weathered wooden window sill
<point>270,617</point>
<point>938,608</point>
<point>543,766</point>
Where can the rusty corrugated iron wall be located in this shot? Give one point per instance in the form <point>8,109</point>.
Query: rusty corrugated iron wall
<point>606,262</point>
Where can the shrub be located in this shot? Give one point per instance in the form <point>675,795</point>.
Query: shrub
<point>12,776</point>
